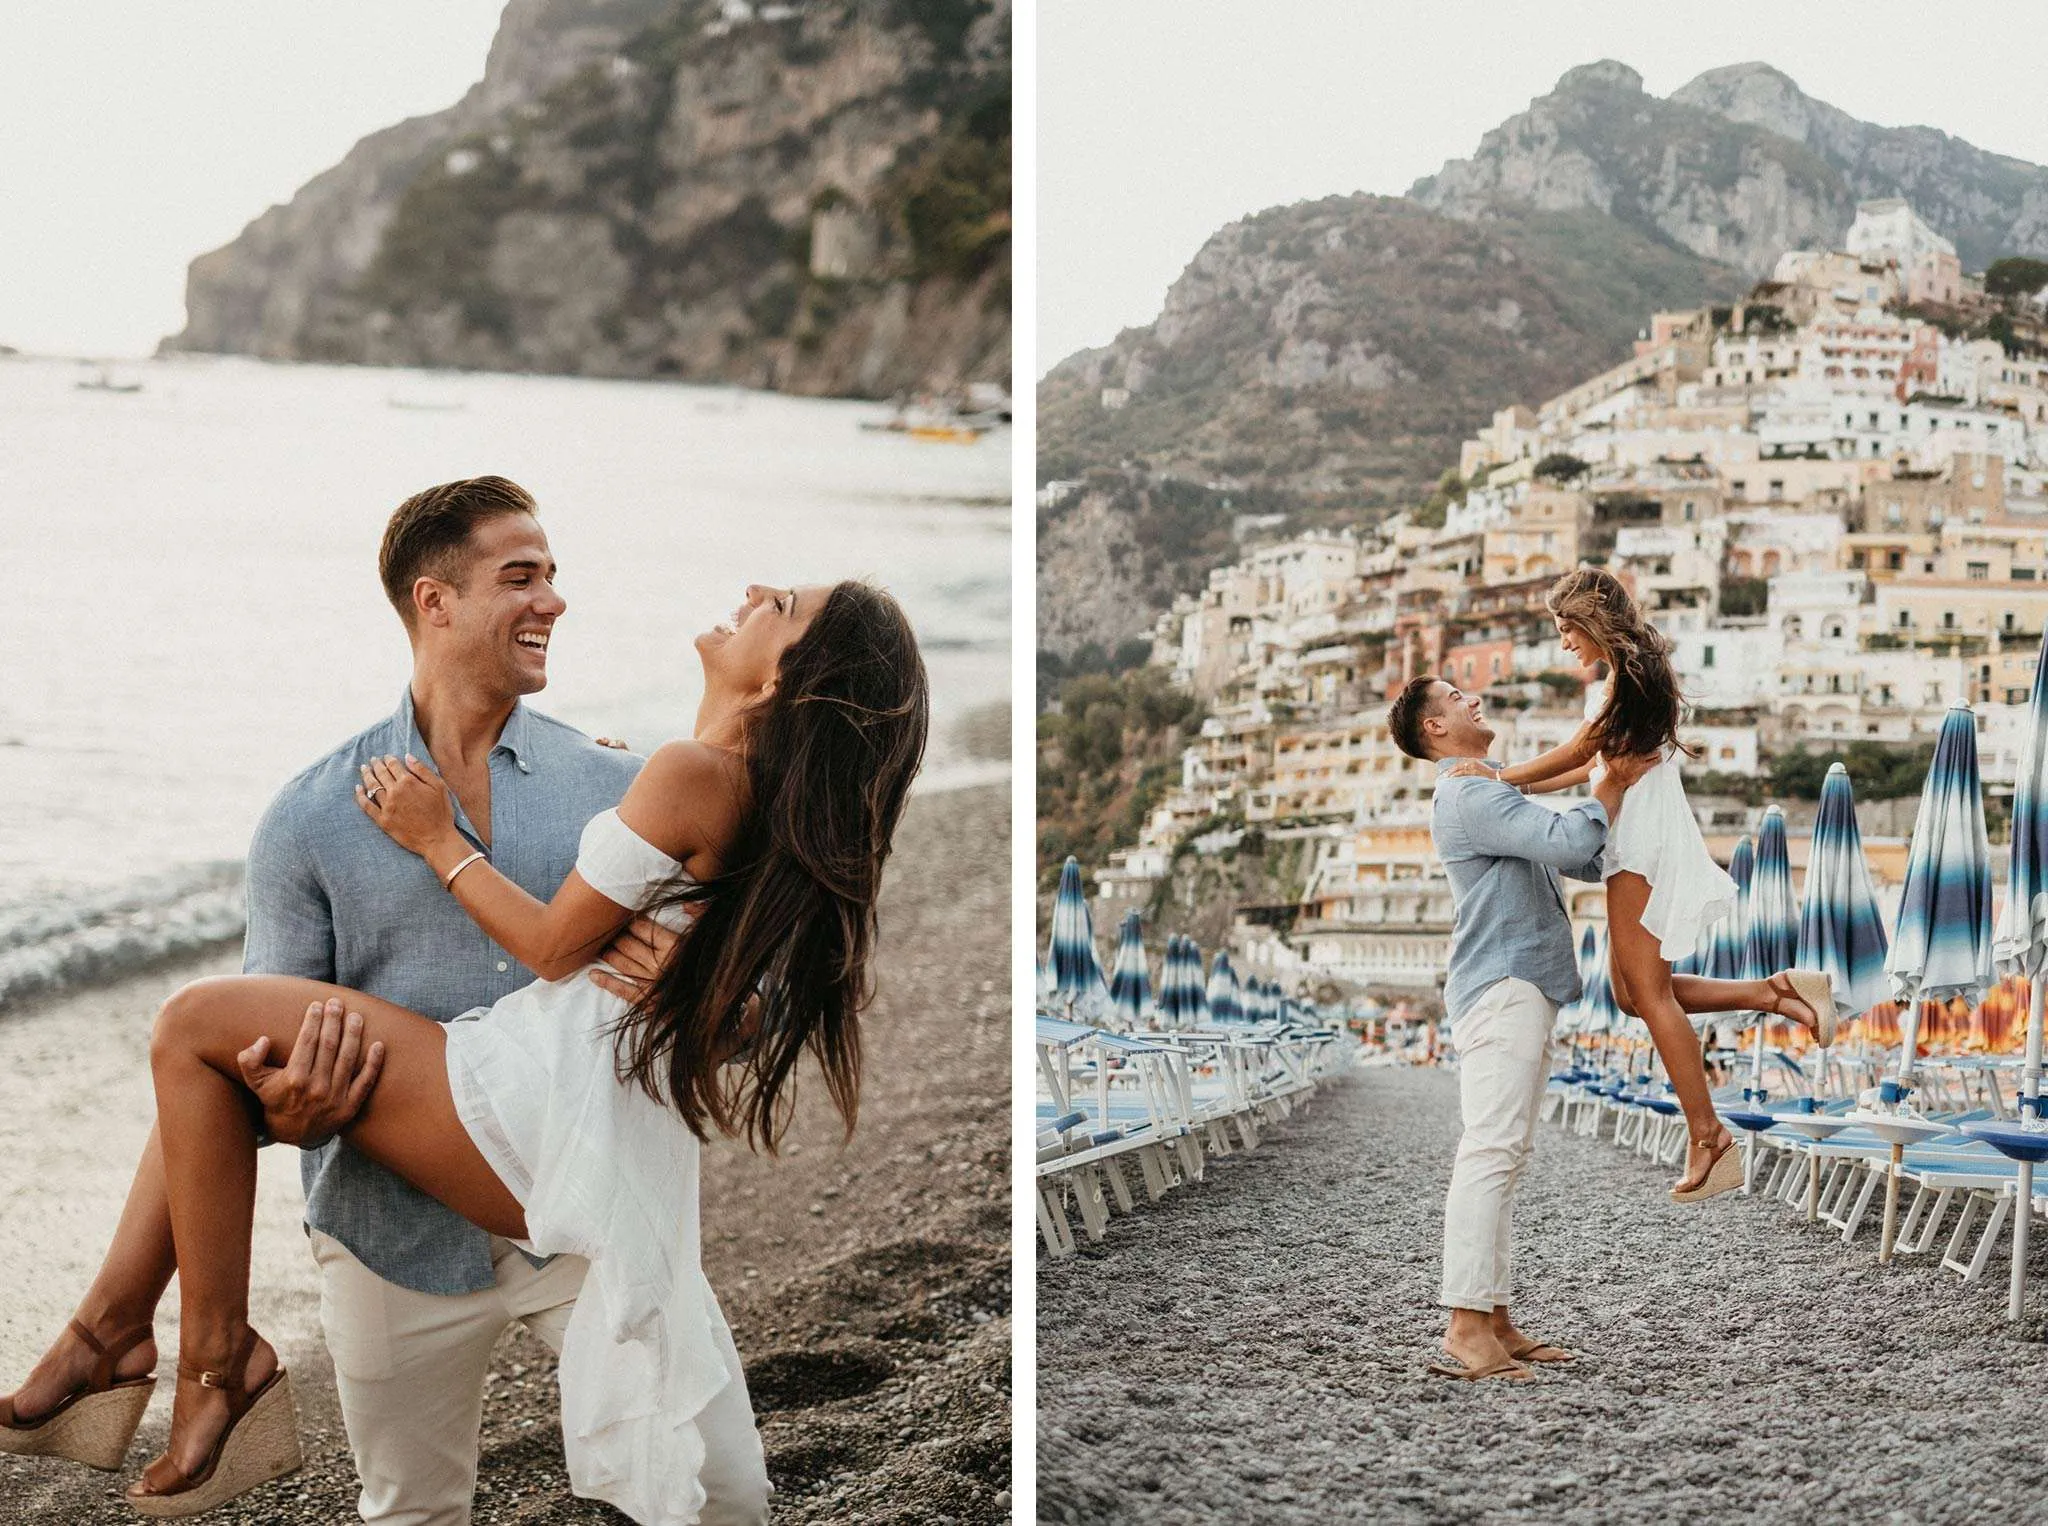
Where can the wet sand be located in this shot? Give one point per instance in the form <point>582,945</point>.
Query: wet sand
<point>868,1285</point>
<point>1253,1349</point>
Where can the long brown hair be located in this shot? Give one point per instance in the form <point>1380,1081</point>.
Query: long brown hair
<point>776,963</point>
<point>1643,708</point>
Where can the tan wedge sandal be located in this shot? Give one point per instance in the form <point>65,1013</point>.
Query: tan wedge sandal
<point>1724,1174</point>
<point>93,1424</point>
<point>1816,989</point>
<point>261,1443</point>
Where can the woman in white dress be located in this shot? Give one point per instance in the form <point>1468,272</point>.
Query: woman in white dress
<point>1664,890</point>
<point>561,1118</point>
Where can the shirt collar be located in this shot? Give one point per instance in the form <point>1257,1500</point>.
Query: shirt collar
<point>515,739</point>
<point>1443,765</point>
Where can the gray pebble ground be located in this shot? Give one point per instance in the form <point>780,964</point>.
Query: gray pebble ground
<point>1252,1350</point>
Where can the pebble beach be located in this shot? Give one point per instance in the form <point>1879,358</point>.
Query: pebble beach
<point>1253,1348</point>
<point>867,1283</point>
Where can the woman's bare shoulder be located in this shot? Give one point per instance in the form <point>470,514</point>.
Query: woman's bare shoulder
<point>687,798</point>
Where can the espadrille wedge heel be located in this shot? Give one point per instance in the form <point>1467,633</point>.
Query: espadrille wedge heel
<point>261,1443</point>
<point>93,1424</point>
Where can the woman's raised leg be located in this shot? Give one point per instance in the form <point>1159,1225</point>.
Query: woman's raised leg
<point>409,1125</point>
<point>1640,966</point>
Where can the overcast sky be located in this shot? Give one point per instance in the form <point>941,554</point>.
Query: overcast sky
<point>135,135</point>
<point>1162,120</point>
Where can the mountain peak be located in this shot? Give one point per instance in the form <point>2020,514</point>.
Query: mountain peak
<point>1605,73</point>
<point>1760,95</point>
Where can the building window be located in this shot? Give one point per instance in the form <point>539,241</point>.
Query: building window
<point>1979,572</point>
<point>1707,657</point>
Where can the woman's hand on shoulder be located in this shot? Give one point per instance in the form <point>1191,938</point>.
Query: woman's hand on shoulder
<point>409,802</point>
<point>1469,768</point>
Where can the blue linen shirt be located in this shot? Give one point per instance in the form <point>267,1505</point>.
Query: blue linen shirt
<point>332,898</point>
<point>1503,853</point>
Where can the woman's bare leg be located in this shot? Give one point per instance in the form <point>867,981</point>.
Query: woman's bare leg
<point>1641,967</point>
<point>125,1293</point>
<point>409,1125</point>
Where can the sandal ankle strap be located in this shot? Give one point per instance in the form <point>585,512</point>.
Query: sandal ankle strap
<point>234,1381</point>
<point>108,1356</point>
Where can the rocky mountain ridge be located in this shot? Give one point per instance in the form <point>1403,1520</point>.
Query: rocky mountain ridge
<point>1332,354</point>
<point>811,196</point>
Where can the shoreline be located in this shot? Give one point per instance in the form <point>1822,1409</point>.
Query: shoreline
<point>868,1286</point>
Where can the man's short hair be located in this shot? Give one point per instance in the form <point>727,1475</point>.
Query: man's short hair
<point>429,532</point>
<point>1413,705</point>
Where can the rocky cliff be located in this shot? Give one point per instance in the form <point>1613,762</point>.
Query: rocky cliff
<point>1990,205</point>
<point>1739,165</point>
<point>1332,354</point>
<point>1725,190</point>
<point>809,196</point>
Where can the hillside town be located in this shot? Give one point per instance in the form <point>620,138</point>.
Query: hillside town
<point>1830,496</point>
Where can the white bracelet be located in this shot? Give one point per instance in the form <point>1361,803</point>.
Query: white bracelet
<point>449,883</point>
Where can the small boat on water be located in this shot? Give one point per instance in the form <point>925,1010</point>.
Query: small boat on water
<point>105,382</point>
<point>942,421</point>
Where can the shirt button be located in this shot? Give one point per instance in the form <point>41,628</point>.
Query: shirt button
<point>523,768</point>
<point>503,966</point>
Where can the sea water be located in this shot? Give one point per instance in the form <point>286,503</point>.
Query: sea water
<point>190,611</point>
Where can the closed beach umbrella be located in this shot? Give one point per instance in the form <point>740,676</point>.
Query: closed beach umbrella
<point>1183,981</point>
<point>1130,982</point>
<point>1730,957</point>
<point>1773,931</point>
<point>2020,945</point>
<point>1226,1000</point>
<point>1167,1000</point>
<point>1194,998</point>
<point>1076,971</point>
<point>1942,946</point>
<point>1841,930</point>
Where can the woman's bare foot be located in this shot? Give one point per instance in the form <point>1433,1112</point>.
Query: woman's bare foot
<point>200,1414</point>
<point>1699,1159</point>
<point>67,1367</point>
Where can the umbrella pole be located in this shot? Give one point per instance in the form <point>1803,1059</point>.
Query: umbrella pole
<point>1756,1101</point>
<point>2023,1206</point>
<point>1891,1206</point>
<point>1812,1186</point>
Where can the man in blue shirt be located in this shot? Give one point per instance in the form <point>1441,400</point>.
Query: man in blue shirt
<point>1512,965</point>
<point>413,1297</point>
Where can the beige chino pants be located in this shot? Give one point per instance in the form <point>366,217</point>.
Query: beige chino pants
<point>410,1371</point>
<point>1503,1044</point>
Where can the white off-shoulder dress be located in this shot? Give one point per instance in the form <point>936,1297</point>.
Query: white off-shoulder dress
<point>1658,837</point>
<point>605,1172</point>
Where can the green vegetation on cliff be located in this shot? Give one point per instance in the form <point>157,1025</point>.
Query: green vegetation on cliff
<point>1106,755</point>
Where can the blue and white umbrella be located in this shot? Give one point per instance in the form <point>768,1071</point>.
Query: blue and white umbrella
<point>1841,930</point>
<point>1772,937</point>
<point>1730,959</point>
<point>1130,981</point>
<point>1942,946</point>
<point>1226,998</point>
<point>2020,945</point>
<point>1078,985</point>
<point>1192,996</point>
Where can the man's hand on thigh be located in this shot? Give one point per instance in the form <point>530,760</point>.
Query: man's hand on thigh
<point>322,1084</point>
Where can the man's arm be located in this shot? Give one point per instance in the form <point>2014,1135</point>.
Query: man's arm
<point>322,1083</point>
<point>1498,822</point>
<point>291,924</point>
